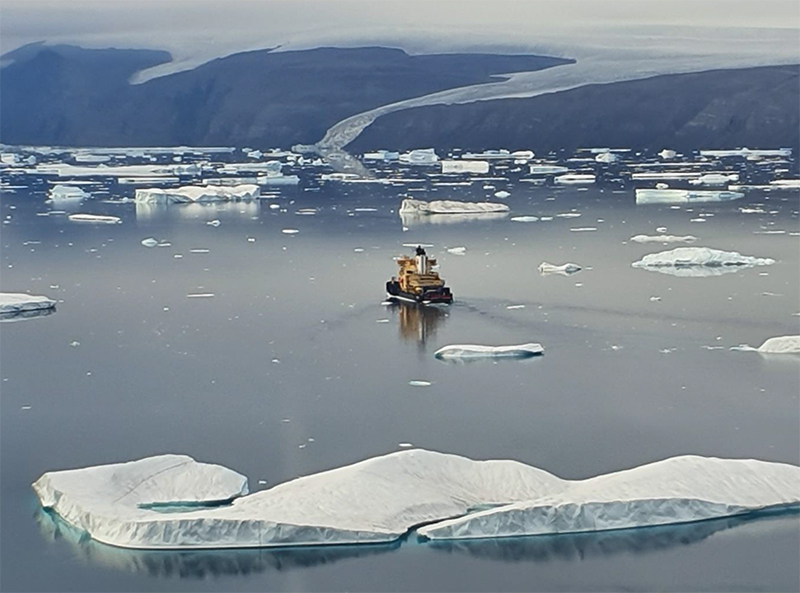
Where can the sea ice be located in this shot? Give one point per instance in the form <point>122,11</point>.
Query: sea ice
<point>698,261</point>
<point>149,242</point>
<point>457,250</point>
<point>564,269</point>
<point>606,157</point>
<point>12,303</point>
<point>684,196</point>
<point>663,239</point>
<point>464,166</point>
<point>167,501</point>
<point>524,218</point>
<point>96,218</point>
<point>714,179</point>
<point>546,169</point>
<point>192,194</point>
<point>420,156</point>
<point>575,179</point>
<point>411,206</point>
<point>501,194</point>
<point>473,351</point>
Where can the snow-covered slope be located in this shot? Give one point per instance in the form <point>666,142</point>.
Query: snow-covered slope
<point>465,351</point>
<point>382,498</point>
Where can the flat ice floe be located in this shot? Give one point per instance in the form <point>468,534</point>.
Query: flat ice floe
<point>698,261</point>
<point>663,239</point>
<point>564,269</point>
<point>193,194</point>
<point>95,218</point>
<point>163,502</point>
<point>13,303</point>
<point>411,206</point>
<point>474,351</point>
<point>684,196</point>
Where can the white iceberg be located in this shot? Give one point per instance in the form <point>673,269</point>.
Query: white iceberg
<point>95,218</point>
<point>524,218</point>
<point>714,179</point>
<point>606,157</point>
<point>777,345</point>
<point>684,196</point>
<point>575,179</point>
<point>411,206</point>
<point>420,156</point>
<point>663,239</point>
<point>194,194</point>
<point>698,261</point>
<point>564,269</point>
<point>667,154</point>
<point>62,193</point>
<point>457,250</point>
<point>12,303</point>
<point>474,351</point>
<point>174,502</point>
<point>676,490</point>
<point>501,194</point>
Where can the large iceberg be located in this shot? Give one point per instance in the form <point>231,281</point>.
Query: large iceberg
<point>174,502</point>
<point>684,196</point>
<point>13,303</point>
<point>192,194</point>
<point>474,351</point>
<point>776,345</point>
<point>698,261</point>
<point>411,206</point>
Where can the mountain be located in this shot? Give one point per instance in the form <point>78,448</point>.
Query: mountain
<point>754,107</point>
<point>65,95</point>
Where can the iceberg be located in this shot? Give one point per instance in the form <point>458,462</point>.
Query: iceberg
<point>714,179</point>
<point>677,490</point>
<point>501,194</point>
<point>61,193</point>
<point>663,239</point>
<point>575,179</point>
<point>193,194</point>
<point>667,154</point>
<point>698,261</point>
<point>606,157</point>
<point>684,196</point>
<point>786,183</point>
<point>175,502</point>
<point>457,250</point>
<point>13,303</point>
<point>420,156</point>
<point>278,179</point>
<point>547,169</point>
<point>464,166</point>
<point>473,351</point>
<point>565,269</point>
<point>411,206</point>
<point>777,345</point>
<point>524,218</point>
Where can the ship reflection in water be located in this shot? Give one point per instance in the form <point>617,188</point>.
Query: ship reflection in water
<point>418,323</point>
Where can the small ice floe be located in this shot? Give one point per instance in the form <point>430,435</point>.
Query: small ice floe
<point>655,299</point>
<point>564,269</point>
<point>215,223</point>
<point>149,242</point>
<point>12,303</point>
<point>382,498</point>
<point>698,261</point>
<point>67,193</point>
<point>382,320</point>
<point>365,209</point>
<point>583,229</point>
<point>474,351</point>
<point>524,218</point>
<point>667,154</point>
<point>95,218</point>
<point>457,250</point>
<point>405,445</point>
<point>777,345</point>
<point>683,196</point>
<point>199,250</point>
<point>714,179</point>
<point>411,206</point>
<point>513,307</point>
<point>419,383</point>
<point>697,220</point>
<point>786,183</point>
<point>568,215</point>
<point>662,186</point>
<point>663,239</point>
<point>502,194</point>
<point>200,295</point>
<point>274,207</point>
<point>290,231</point>
<point>575,179</point>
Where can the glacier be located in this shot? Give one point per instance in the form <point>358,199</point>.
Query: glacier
<point>192,194</point>
<point>175,502</point>
<point>474,351</point>
<point>13,303</point>
<point>698,261</point>
<point>411,206</point>
<point>684,196</point>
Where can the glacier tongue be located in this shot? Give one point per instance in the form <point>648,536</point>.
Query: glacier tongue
<point>381,499</point>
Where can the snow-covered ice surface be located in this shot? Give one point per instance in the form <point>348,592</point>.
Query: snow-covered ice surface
<point>411,206</point>
<point>13,303</point>
<point>382,498</point>
<point>684,196</point>
<point>663,239</point>
<point>698,261</point>
<point>564,269</point>
<point>192,194</point>
<point>474,351</point>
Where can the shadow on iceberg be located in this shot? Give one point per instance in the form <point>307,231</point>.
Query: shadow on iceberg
<point>196,564</point>
<point>25,315</point>
<point>578,546</point>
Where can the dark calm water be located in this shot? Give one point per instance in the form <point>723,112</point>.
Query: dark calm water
<point>296,345</point>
